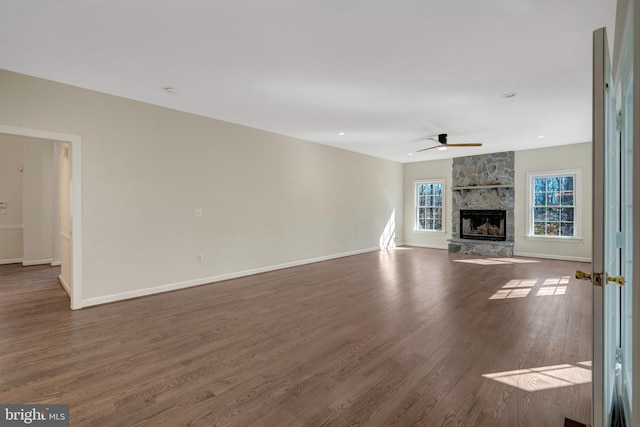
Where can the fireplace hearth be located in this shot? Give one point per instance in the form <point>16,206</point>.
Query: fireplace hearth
<point>483,224</point>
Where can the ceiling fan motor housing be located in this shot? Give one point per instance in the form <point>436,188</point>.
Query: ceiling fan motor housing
<point>442,138</point>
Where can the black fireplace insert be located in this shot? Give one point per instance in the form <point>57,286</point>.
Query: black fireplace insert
<point>483,224</point>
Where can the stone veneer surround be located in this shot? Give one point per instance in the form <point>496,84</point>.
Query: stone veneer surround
<point>493,174</point>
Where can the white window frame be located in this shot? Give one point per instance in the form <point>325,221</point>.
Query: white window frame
<point>440,181</point>
<point>577,204</point>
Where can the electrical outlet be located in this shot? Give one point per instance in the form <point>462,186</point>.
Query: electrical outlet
<point>197,212</point>
<point>199,259</point>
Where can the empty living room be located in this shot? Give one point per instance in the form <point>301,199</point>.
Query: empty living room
<point>330,213</point>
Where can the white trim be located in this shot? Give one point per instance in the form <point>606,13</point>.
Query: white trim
<point>64,284</point>
<point>426,245</point>
<point>428,231</point>
<point>209,280</point>
<point>76,200</point>
<point>10,227</point>
<point>56,264</point>
<point>577,202</point>
<point>11,261</point>
<point>550,256</point>
<point>66,236</point>
<point>556,239</point>
<point>37,262</point>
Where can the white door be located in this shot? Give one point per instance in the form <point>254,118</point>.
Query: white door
<point>612,245</point>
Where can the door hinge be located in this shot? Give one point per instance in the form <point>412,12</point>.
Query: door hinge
<point>619,122</point>
<point>619,356</point>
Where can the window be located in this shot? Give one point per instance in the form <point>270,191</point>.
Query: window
<point>429,205</point>
<point>553,207</point>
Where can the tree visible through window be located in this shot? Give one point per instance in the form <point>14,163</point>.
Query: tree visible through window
<point>429,206</point>
<point>554,205</point>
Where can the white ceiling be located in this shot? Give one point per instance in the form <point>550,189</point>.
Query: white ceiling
<point>385,72</point>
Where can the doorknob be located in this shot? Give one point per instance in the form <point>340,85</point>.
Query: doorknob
<point>581,275</point>
<point>618,280</point>
<point>596,278</point>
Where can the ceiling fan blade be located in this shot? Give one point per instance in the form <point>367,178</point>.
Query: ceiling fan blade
<point>424,138</point>
<point>430,148</point>
<point>470,144</point>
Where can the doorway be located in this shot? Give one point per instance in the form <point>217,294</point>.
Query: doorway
<point>69,146</point>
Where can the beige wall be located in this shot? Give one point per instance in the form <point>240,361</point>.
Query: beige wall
<point>575,156</point>
<point>11,153</point>
<point>434,169</point>
<point>267,200</point>
<point>37,199</point>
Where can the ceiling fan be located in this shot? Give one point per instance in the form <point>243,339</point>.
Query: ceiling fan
<point>442,139</point>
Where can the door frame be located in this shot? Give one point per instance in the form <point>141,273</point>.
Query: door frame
<point>75,287</point>
<point>636,210</point>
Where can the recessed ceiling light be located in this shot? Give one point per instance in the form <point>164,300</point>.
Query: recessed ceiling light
<point>341,134</point>
<point>171,90</point>
<point>540,136</point>
<point>442,148</point>
<point>411,154</point>
<point>509,94</point>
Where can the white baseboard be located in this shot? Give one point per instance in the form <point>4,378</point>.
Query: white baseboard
<point>56,263</point>
<point>425,245</point>
<point>65,286</point>
<point>11,261</point>
<point>207,280</point>
<point>36,262</point>
<point>550,256</point>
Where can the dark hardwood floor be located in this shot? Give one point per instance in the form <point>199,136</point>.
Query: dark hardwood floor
<point>405,337</point>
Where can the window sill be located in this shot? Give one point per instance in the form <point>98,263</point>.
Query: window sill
<point>428,231</point>
<point>556,239</point>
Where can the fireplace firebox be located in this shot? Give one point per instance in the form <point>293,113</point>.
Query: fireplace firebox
<point>483,224</point>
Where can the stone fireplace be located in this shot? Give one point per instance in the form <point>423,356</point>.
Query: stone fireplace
<point>483,201</point>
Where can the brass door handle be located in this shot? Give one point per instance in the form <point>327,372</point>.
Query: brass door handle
<point>581,275</point>
<point>596,278</point>
<point>618,280</point>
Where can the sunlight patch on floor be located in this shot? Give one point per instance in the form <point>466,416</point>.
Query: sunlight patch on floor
<point>511,293</point>
<point>551,290</point>
<point>521,283</point>
<point>564,280</point>
<point>521,288</point>
<point>544,378</point>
